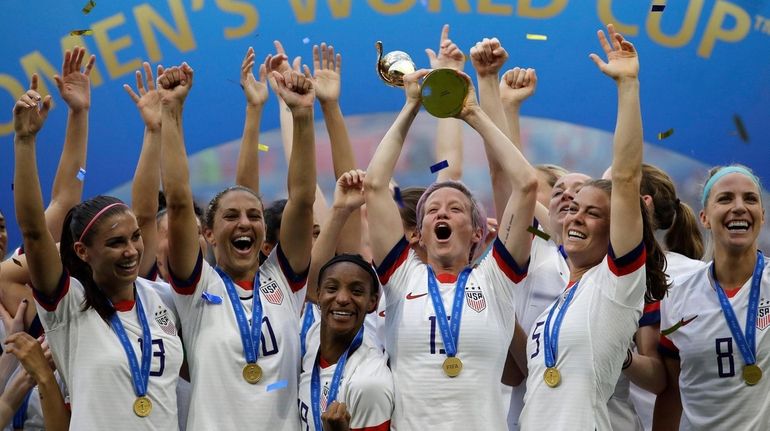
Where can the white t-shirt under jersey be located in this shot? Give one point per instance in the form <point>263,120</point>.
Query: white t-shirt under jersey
<point>425,397</point>
<point>366,388</point>
<point>94,366</point>
<point>221,398</point>
<point>714,395</point>
<point>593,340</point>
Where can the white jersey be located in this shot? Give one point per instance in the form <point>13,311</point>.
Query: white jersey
<point>593,340</point>
<point>548,274</point>
<point>94,366</point>
<point>366,388</point>
<point>643,401</point>
<point>425,397</point>
<point>372,327</point>
<point>216,356</point>
<point>713,393</point>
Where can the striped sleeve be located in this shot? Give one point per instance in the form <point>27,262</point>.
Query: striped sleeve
<point>395,258</point>
<point>666,347</point>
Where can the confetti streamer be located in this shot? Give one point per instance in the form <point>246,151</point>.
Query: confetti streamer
<point>211,298</point>
<point>439,166</point>
<point>537,232</point>
<point>17,262</point>
<point>81,174</point>
<point>658,7</point>
<point>86,32</point>
<point>397,197</point>
<point>280,384</point>
<point>536,36</point>
<point>741,128</point>
<point>263,147</point>
<point>89,6</point>
<point>666,134</point>
<point>306,40</point>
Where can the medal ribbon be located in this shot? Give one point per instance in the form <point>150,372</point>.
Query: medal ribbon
<point>334,386</point>
<point>307,322</point>
<point>250,335</point>
<point>551,338</point>
<point>747,343</point>
<point>450,331</point>
<point>139,376</point>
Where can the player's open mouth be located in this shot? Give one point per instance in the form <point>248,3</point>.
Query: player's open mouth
<point>243,244</point>
<point>442,231</point>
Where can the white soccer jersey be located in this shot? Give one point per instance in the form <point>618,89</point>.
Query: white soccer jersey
<point>221,398</point>
<point>425,397</point>
<point>366,389</point>
<point>548,274</point>
<point>372,327</point>
<point>594,336</point>
<point>94,366</point>
<point>714,395</point>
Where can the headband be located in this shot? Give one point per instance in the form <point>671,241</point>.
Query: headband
<point>356,259</point>
<point>721,173</point>
<point>96,217</point>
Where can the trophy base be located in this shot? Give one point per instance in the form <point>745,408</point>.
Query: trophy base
<point>443,93</point>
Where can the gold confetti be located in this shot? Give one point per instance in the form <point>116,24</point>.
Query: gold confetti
<point>666,134</point>
<point>86,32</point>
<point>263,147</point>
<point>537,232</point>
<point>90,5</point>
<point>536,36</point>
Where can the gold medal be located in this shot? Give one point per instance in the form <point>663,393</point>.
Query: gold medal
<point>552,377</point>
<point>252,373</point>
<point>752,374</point>
<point>142,407</point>
<point>452,366</point>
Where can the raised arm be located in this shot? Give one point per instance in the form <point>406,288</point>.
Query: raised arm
<point>247,172</point>
<point>449,142</point>
<point>520,206</point>
<point>488,57</point>
<point>296,234</point>
<point>144,189</point>
<point>348,198</point>
<point>385,227</point>
<point>75,88</point>
<point>625,215</point>
<point>43,260</point>
<point>183,247</point>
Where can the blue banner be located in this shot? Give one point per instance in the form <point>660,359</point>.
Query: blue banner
<point>704,74</point>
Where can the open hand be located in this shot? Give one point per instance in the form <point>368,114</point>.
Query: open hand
<point>326,73</point>
<point>622,59</point>
<point>148,98</point>
<point>255,91</point>
<point>75,83</point>
<point>30,111</point>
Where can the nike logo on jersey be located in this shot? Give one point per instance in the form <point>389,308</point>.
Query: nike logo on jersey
<point>677,325</point>
<point>410,296</point>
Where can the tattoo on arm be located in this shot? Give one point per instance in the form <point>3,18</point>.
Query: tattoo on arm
<point>508,228</point>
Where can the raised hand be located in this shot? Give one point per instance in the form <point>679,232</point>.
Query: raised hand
<point>295,89</point>
<point>148,98</point>
<point>29,113</point>
<point>517,85</point>
<point>14,324</point>
<point>449,54</point>
<point>74,83</point>
<point>412,85</point>
<point>255,90</point>
<point>326,73</point>
<point>279,63</point>
<point>471,103</point>
<point>349,191</point>
<point>336,417</point>
<point>488,57</point>
<point>174,85</point>
<point>30,354</point>
<point>622,59</point>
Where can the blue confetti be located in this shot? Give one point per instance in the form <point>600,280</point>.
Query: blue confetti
<point>658,7</point>
<point>439,166</point>
<point>277,385</point>
<point>81,174</point>
<point>397,197</point>
<point>211,298</point>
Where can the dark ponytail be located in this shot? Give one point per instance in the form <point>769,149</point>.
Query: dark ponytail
<point>75,223</point>
<point>684,237</point>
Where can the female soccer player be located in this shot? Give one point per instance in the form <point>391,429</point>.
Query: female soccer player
<point>240,319</point>
<point>713,321</point>
<point>439,364</point>
<point>577,347</point>
<point>113,338</point>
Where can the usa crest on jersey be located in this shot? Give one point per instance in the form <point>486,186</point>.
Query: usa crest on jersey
<point>272,292</point>
<point>165,323</point>
<point>763,314</point>
<point>475,298</point>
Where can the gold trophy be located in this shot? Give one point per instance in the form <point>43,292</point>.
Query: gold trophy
<point>443,90</point>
